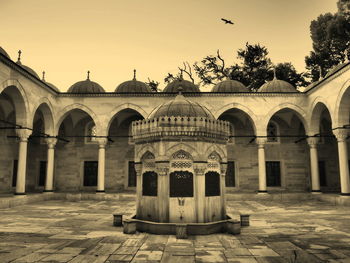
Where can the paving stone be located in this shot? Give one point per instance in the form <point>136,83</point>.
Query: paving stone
<point>120,258</point>
<point>148,256</point>
<point>171,258</point>
<point>236,252</point>
<point>58,258</point>
<point>126,250</point>
<point>241,260</point>
<point>32,257</point>
<point>89,259</point>
<point>263,252</point>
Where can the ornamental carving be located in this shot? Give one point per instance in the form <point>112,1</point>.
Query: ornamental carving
<point>181,155</point>
<point>181,164</point>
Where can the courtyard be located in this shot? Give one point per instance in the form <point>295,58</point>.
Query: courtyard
<point>65,231</point>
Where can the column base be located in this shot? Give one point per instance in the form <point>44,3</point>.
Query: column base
<point>316,192</point>
<point>48,191</point>
<point>100,191</point>
<point>20,193</point>
<point>345,194</point>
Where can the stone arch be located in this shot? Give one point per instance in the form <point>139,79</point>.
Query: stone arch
<point>315,117</point>
<point>342,107</point>
<point>118,109</point>
<point>147,156</point>
<point>20,100</point>
<point>63,114</point>
<point>215,149</point>
<point>246,110</point>
<point>45,107</point>
<point>143,151</point>
<point>184,147</point>
<point>296,109</point>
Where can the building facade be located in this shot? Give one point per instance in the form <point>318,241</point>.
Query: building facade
<point>281,139</point>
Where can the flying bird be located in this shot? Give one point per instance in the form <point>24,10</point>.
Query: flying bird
<point>227,21</point>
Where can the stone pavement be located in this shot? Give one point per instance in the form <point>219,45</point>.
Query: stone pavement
<point>62,231</point>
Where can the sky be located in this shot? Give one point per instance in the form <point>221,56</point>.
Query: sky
<point>111,38</point>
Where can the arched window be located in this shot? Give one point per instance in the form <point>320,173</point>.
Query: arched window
<point>272,132</point>
<point>90,132</point>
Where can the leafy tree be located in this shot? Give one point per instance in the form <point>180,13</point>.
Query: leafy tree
<point>330,34</point>
<point>153,85</point>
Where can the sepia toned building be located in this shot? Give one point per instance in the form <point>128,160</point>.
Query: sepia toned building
<point>281,139</point>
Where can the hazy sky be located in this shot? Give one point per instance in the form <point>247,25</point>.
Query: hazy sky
<point>112,37</point>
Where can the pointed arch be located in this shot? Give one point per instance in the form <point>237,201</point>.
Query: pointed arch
<point>63,114</point>
<point>45,106</point>
<point>19,97</point>
<point>288,106</point>
<point>318,106</point>
<point>216,149</point>
<point>184,147</point>
<point>342,106</point>
<point>143,151</point>
<point>250,114</point>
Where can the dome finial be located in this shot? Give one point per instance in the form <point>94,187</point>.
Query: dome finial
<point>320,72</point>
<point>274,73</point>
<point>19,56</point>
<point>88,75</point>
<point>134,74</point>
<point>179,89</point>
<point>43,79</point>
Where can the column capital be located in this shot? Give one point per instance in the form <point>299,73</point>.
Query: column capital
<point>261,141</point>
<point>23,134</point>
<point>200,168</point>
<point>341,134</point>
<point>101,142</point>
<point>51,142</point>
<point>162,168</point>
<point>313,141</point>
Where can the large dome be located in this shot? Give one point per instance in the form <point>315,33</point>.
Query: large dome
<point>181,107</point>
<point>31,71</point>
<point>187,86</point>
<point>133,86</point>
<point>230,86</point>
<point>2,51</point>
<point>86,86</point>
<point>277,85</point>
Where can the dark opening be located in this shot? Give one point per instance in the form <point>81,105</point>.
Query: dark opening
<point>90,173</point>
<point>42,173</point>
<point>230,179</point>
<point>181,184</point>
<point>273,174</point>
<point>149,184</point>
<point>212,184</point>
<point>131,174</point>
<point>322,173</point>
<point>14,173</point>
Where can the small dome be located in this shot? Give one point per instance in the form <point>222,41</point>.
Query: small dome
<point>230,86</point>
<point>49,84</point>
<point>133,86</point>
<point>187,86</point>
<point>277,85</point>
<point>2,51</point>
<point>86,86</point>
<point>31,71</point>
<point>181,107</point>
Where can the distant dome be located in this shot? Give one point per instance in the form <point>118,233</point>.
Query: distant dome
<point>86,86</point>
<point>133,86</point>
<point>49,84</point>
<point>2,51</point>
<point>181,107</point>
<point>187,86</point>
<point>31,71</point>
<point>277,85</point>
<point>230,86</point>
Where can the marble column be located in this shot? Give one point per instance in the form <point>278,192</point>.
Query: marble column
<point>341,135</point>
<point>51,142</point>
<point>199,170</point>
<point>23,135</point>
<point>315,177</point>
<point>101,164</point>
<point>262,164</point>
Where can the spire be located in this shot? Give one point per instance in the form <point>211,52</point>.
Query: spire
<point>19,56</point>
<point>43,79</point>
<point>134,74</point>
<point>320,72</point>
<point>88,75</point>
<point>274,73</point>
<point>179,89</point>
